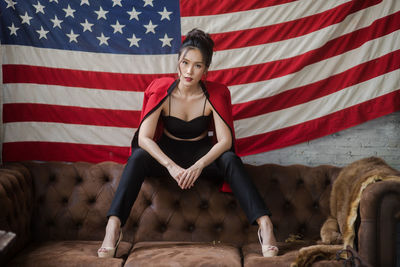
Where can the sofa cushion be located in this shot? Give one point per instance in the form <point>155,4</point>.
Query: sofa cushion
<point>183,254</point>
<point>287,254</point>
<point>68,253</point>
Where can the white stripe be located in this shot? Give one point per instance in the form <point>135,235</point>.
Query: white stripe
<point>72,96</point>
<point>260,54</point>
<point>317,71</point>
<point>116,63</point>
<point>67,133</point>
<point>320,107</point>
<point>261,17</point>
<point>150,64</point>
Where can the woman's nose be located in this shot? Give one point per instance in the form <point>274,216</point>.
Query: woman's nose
<point>189,69</point>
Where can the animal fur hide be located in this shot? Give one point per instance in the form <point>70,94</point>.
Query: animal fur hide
<point>338,230</point>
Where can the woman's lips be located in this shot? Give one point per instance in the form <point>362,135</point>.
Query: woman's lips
<point>188,79</point>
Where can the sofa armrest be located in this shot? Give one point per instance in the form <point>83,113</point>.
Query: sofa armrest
<point>379,223</point>
<point>16,202</point>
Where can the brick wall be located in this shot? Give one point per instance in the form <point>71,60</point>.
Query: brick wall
<point>379,137</point>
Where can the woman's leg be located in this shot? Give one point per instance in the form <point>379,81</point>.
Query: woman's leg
<point>233,171</point>
<point>140,164</point>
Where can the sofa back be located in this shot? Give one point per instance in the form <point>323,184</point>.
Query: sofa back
<point>71,201</point>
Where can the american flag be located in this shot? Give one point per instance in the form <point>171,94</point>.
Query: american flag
<point>74,71</point>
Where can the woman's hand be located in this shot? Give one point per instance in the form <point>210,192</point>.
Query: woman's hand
<point>190,175</point>
<point>175,171</point>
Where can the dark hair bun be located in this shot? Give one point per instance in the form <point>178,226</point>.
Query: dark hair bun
<point>199,39</point>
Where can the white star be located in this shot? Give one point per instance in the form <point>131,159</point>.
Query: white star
<point>150,27</point>
<point>134,14</point>
<point>117,3</point>
<point>42,33</point>
<point>56,22</point>
<point>165,14</point>
<point>117,27</point>
<point>85,2</point>
<point>13,29</point>
<point>26,18</point>
<point>72,36</point>
<point>69,12</point>
<point>134,40</point>
<point>103,39</point>
<point>166,41</point>
<point>101,13</point>
<point>39,8</point>
<point>87,26</point>
<point>11,3</point>
<point>148,2</point>
<point>54,1</point>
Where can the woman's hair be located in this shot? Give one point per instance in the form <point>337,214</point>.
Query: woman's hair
<point>198,39</point>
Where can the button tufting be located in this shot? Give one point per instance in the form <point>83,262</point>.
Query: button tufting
<point>163,228</point>
<point>287,204</point>
<point>300,182</point>
<point>91,200</point>
<point>64,200</point>
<point>79,180</point>
<point>52,178</point>
<point>232,205</point>
<point>218,227</point>
<point>177,204</point>
<point>316,205</point>
<point>204,205</point>
<point>106,179</point>
<point>191,228</point>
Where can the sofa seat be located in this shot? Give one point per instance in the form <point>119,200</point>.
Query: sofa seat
<point>68,253</point>
<point>287,254</point>
<point>184,254</point>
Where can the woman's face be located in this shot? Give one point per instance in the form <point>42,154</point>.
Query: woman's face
<point>191,67</point>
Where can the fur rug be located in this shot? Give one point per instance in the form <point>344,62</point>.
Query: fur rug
<point>338,230</point>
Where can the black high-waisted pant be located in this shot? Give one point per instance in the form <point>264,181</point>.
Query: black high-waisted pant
<point>185,153</point>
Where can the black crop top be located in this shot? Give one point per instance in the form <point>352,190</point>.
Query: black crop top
<point>186,129</point>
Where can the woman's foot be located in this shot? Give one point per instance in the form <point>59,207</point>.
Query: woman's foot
<point>111,239</point>
<point>266,237</point>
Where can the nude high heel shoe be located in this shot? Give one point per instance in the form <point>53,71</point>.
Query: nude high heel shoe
<point>109,252</point>
<point>267,250</point>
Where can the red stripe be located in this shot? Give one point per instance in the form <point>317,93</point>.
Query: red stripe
<point>20,112</point>
<point>334,83</point>
<point>289,29</point>
<point>274,69</point>
<point>78,78</point>
<point>322,126</point>
<point>47,151</point>
<point>202,8</point>
<point>240,75</point>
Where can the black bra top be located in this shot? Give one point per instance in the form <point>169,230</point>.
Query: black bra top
<point>186,129</point>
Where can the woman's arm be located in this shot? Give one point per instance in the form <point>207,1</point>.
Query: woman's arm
<point>146,135</point>
<point>224,143</point>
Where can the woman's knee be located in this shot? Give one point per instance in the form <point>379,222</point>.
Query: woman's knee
<point>228,157</point>
<point>139,155</point>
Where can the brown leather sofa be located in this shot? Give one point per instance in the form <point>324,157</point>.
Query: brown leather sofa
<point>57,211</point>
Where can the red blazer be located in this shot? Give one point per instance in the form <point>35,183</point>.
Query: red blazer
<point>158,91</point>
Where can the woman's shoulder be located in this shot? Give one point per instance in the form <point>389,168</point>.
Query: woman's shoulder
<point>159,86</point>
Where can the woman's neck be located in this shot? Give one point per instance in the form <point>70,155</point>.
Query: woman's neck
<point>187,91</point>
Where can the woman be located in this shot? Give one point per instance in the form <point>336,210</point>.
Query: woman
<point>188,107</point>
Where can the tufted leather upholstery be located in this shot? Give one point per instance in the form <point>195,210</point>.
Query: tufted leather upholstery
<point>66,202</point>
